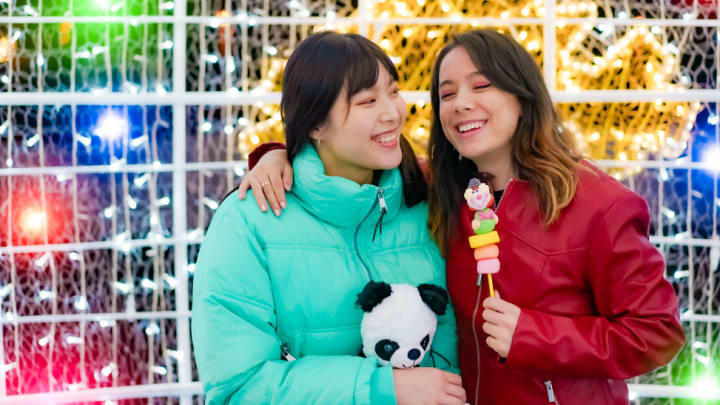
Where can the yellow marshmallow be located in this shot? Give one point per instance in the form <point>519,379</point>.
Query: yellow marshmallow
<point>477,241</point>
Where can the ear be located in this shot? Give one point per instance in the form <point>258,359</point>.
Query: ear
<point>434,296</point>
<point>373,294</point>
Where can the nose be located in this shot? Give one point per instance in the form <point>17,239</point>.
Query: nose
<point>414,354</point>
<point>463,101</point>
<point>389,111</point>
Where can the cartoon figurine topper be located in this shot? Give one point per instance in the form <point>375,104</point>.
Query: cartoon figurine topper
<point>484,242</point>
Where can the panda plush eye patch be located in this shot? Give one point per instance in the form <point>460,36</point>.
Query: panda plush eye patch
<point>386,348</point>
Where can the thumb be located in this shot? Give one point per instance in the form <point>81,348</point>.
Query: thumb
<point>287,175</point>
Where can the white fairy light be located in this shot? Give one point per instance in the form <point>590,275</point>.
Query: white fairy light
<point>152,329</point>
<point>149,284</point>
<point>123,288</point>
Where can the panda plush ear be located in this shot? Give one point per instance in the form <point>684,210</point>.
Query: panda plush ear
<point>434,296</point>
<point>373,294</point>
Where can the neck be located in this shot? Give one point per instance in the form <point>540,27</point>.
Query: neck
<point>333,167</point>
<point>501,169</point>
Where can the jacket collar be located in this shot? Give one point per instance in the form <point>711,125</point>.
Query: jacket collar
<point>337,200</point>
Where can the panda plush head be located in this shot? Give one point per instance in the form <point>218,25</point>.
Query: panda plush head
<point>400,321</point>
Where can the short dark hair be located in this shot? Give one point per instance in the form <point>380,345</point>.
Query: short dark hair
<point>316,73</point>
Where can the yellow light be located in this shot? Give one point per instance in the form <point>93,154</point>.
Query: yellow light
<point>505,15</point>
<point>622,156</point>
<point>407,32</point>
<point>432,34</point>
<point>445,8</point>
<point>594,136</point>
<point>255,140</point>
<point>533,45</point>
<point>385,43</point>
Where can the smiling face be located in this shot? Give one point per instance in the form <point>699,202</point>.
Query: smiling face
<point>363,134</point>
<point>478,118</point>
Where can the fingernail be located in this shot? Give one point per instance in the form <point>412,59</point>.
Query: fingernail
<point>277,213</point>
<point>287,186</point>
<point>282,204</point>
<point>263,208</point>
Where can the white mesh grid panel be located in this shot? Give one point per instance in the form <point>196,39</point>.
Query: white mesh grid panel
<point>123,123</point>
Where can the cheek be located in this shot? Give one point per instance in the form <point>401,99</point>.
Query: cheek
<point>445,114</point>
<point>401,108</point>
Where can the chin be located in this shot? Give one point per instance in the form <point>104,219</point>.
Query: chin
<point>389,162</point>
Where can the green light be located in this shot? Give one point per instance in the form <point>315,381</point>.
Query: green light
<point>707,387</point>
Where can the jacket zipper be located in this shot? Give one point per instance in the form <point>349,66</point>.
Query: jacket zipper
<point>383,211</point>
<point>355,237</point>
<point>551,393</point>
<point>477,306</point>
<point>285,352</point>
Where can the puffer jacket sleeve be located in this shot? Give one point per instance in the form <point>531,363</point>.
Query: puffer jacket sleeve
<point>237,349</point>
<point>638,328</point>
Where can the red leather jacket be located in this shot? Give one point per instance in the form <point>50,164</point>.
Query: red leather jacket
<point>595,307</point>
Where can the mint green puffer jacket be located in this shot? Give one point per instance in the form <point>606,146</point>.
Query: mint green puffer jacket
<point>263,281</point>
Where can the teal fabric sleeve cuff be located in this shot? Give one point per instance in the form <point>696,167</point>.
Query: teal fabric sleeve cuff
<point>382,387</point>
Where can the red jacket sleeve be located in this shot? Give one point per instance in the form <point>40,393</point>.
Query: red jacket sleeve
<point>638,328</point>
<point>264,148</point>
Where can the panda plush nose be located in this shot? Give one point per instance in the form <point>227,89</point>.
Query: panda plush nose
<point>414,354</point>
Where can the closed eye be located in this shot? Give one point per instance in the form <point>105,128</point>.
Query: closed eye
<point>482,86</point>
<point>447,95</point>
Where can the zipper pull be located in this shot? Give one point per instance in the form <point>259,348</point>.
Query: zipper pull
<point>383,211</point>
<point>383,206</point>
<point>550,392</point>
<point>285,352</point>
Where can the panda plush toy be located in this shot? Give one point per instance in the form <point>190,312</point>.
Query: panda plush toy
<point>400,321</point>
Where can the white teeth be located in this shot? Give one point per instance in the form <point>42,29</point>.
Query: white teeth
<point>386,139</point>
<point>472,125</point>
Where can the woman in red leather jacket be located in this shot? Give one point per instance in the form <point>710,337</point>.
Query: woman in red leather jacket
<point>582,302</point>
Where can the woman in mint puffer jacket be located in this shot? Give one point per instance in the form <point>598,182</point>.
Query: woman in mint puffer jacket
<point>270,286</point>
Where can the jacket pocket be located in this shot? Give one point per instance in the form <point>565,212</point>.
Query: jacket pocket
<point>522,265</point>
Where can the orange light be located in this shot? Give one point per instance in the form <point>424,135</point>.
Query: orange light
<point>65,33</point>
<point>223,30</point>
<point>34,221</point>
<point>5,49</point>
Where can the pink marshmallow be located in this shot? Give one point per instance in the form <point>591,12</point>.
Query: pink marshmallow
<point>488,266</point>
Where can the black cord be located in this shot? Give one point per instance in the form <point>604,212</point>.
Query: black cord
<point>444,358</point>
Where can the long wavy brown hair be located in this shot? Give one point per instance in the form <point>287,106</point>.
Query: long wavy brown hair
<point>543,152</point>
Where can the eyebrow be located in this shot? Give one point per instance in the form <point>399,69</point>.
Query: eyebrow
<point>475,73</point>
